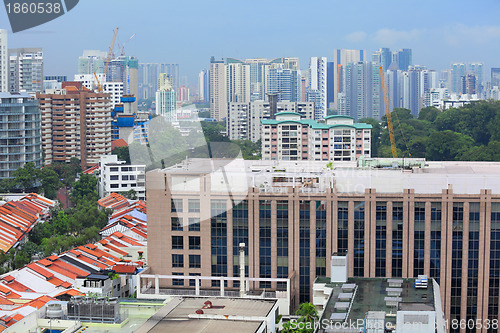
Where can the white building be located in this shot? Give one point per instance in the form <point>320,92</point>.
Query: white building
<point>291,137</point>
<point>116,176</point>
<point>317,75</point>
<point>115,89</point>
<point>26,70</point>
<point>4,62</point>
<point>166,101</point>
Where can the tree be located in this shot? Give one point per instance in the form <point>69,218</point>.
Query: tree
<point>50,182</point>
<point>307,311</point>
<point>429,113</point>
<point>122,153</point>
<point>130,194</point>
<point>448,146</point>
<point>85,189</point>
<point>25,177</point>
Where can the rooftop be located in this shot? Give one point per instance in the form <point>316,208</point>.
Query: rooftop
<point>426,178</point>
<point>176,316</point>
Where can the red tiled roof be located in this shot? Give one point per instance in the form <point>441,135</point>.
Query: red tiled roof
<point>118,143</point>
<point>124,269</point>
<point>91,170</point>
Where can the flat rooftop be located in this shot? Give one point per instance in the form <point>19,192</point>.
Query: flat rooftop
<point>427,178</point>
<point>174,316</point>
<point>371,294</point>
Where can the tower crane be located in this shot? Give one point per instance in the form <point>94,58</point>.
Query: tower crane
<point>388,112</point>
<point>106,64</point>
<point>123,45</point>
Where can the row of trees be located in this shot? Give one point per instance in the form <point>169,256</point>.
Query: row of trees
<point>469,133</point>
<point>46,180</point>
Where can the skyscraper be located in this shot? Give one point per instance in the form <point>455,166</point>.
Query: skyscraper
<point>284,82</point>
<point>403,58</point>
<point>92,61</point>
<point>363,91</point>
<point>166,98</point>
<point>4,62</point>
<point>218,102</point>
<point>342,58</point>
<point>476,68</point>
<point>457,71</point>
<point>26,70</point>
<point>237,81</point>
<point>495,77</point>
<point>318,84</point>
<point>383,57</point>
<point>204,86</point>
<point>148,77</point>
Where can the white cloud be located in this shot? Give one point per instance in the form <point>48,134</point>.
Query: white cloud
<point>459,34</point>
<point>356,37</point>
<point>391,37</point>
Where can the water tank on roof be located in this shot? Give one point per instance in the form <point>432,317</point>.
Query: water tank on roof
<point>55,311</point>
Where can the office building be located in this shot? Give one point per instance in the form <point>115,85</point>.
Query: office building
<point>148,77</point>
<point>290,137</point>
<point>341,58</point>
<point>204,86</point>
<point>218,101</point>
<point>439,219</point>
<point>4,62</point>
<point>26,70</point>
<point>58,78</point>
<point>166,101</point>
<point>318,84</point>
<point>20,136</point>
<point>76,122</point>
<point>468,84</point>
<point>118,177</point>
<point>330,84</point>
<point>456,72</point>
<point>244,120</point>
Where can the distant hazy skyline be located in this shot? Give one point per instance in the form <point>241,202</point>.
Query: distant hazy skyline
<point>190,32</point>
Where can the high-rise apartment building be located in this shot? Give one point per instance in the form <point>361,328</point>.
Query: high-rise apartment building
<point>318,84</point>
<point>26,70</point>
<point>468,84</point>
<point>285,83</point>
<point>341,58</point>
<point>204,86</point>
<point>237,81</point>
<point>362,91</point>
<point>244,119</point>
<point>218,101</point>
<point>166,100</point>
<point>291,137</point>
<point>442,219</point>
<point>76,122</point>
<point>148,77</point>
<point>20,136</point>
<point>4,62</point>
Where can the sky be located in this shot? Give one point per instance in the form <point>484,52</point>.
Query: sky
<point>189,32</point>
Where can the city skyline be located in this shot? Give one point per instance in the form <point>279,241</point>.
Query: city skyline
<point>219,30</point>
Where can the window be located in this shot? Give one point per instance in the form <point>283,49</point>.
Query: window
<point>194,261</point>
<point>113,177</point>
<point>194,242</point>
<point>194,205</point>
<point>176,223</point>
<point>176,205</point>
<point>125,177</point>
<point>177,260</point>
<point>178,282</point>
<point>115,169</point>
<point>194,224</point>
<point>177,242</point>
<point>114,186</point>
<point>192,283</point>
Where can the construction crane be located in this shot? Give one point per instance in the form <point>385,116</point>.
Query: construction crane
<point>106,64</point>
<point>123,45</point>
<point>388,112</point>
